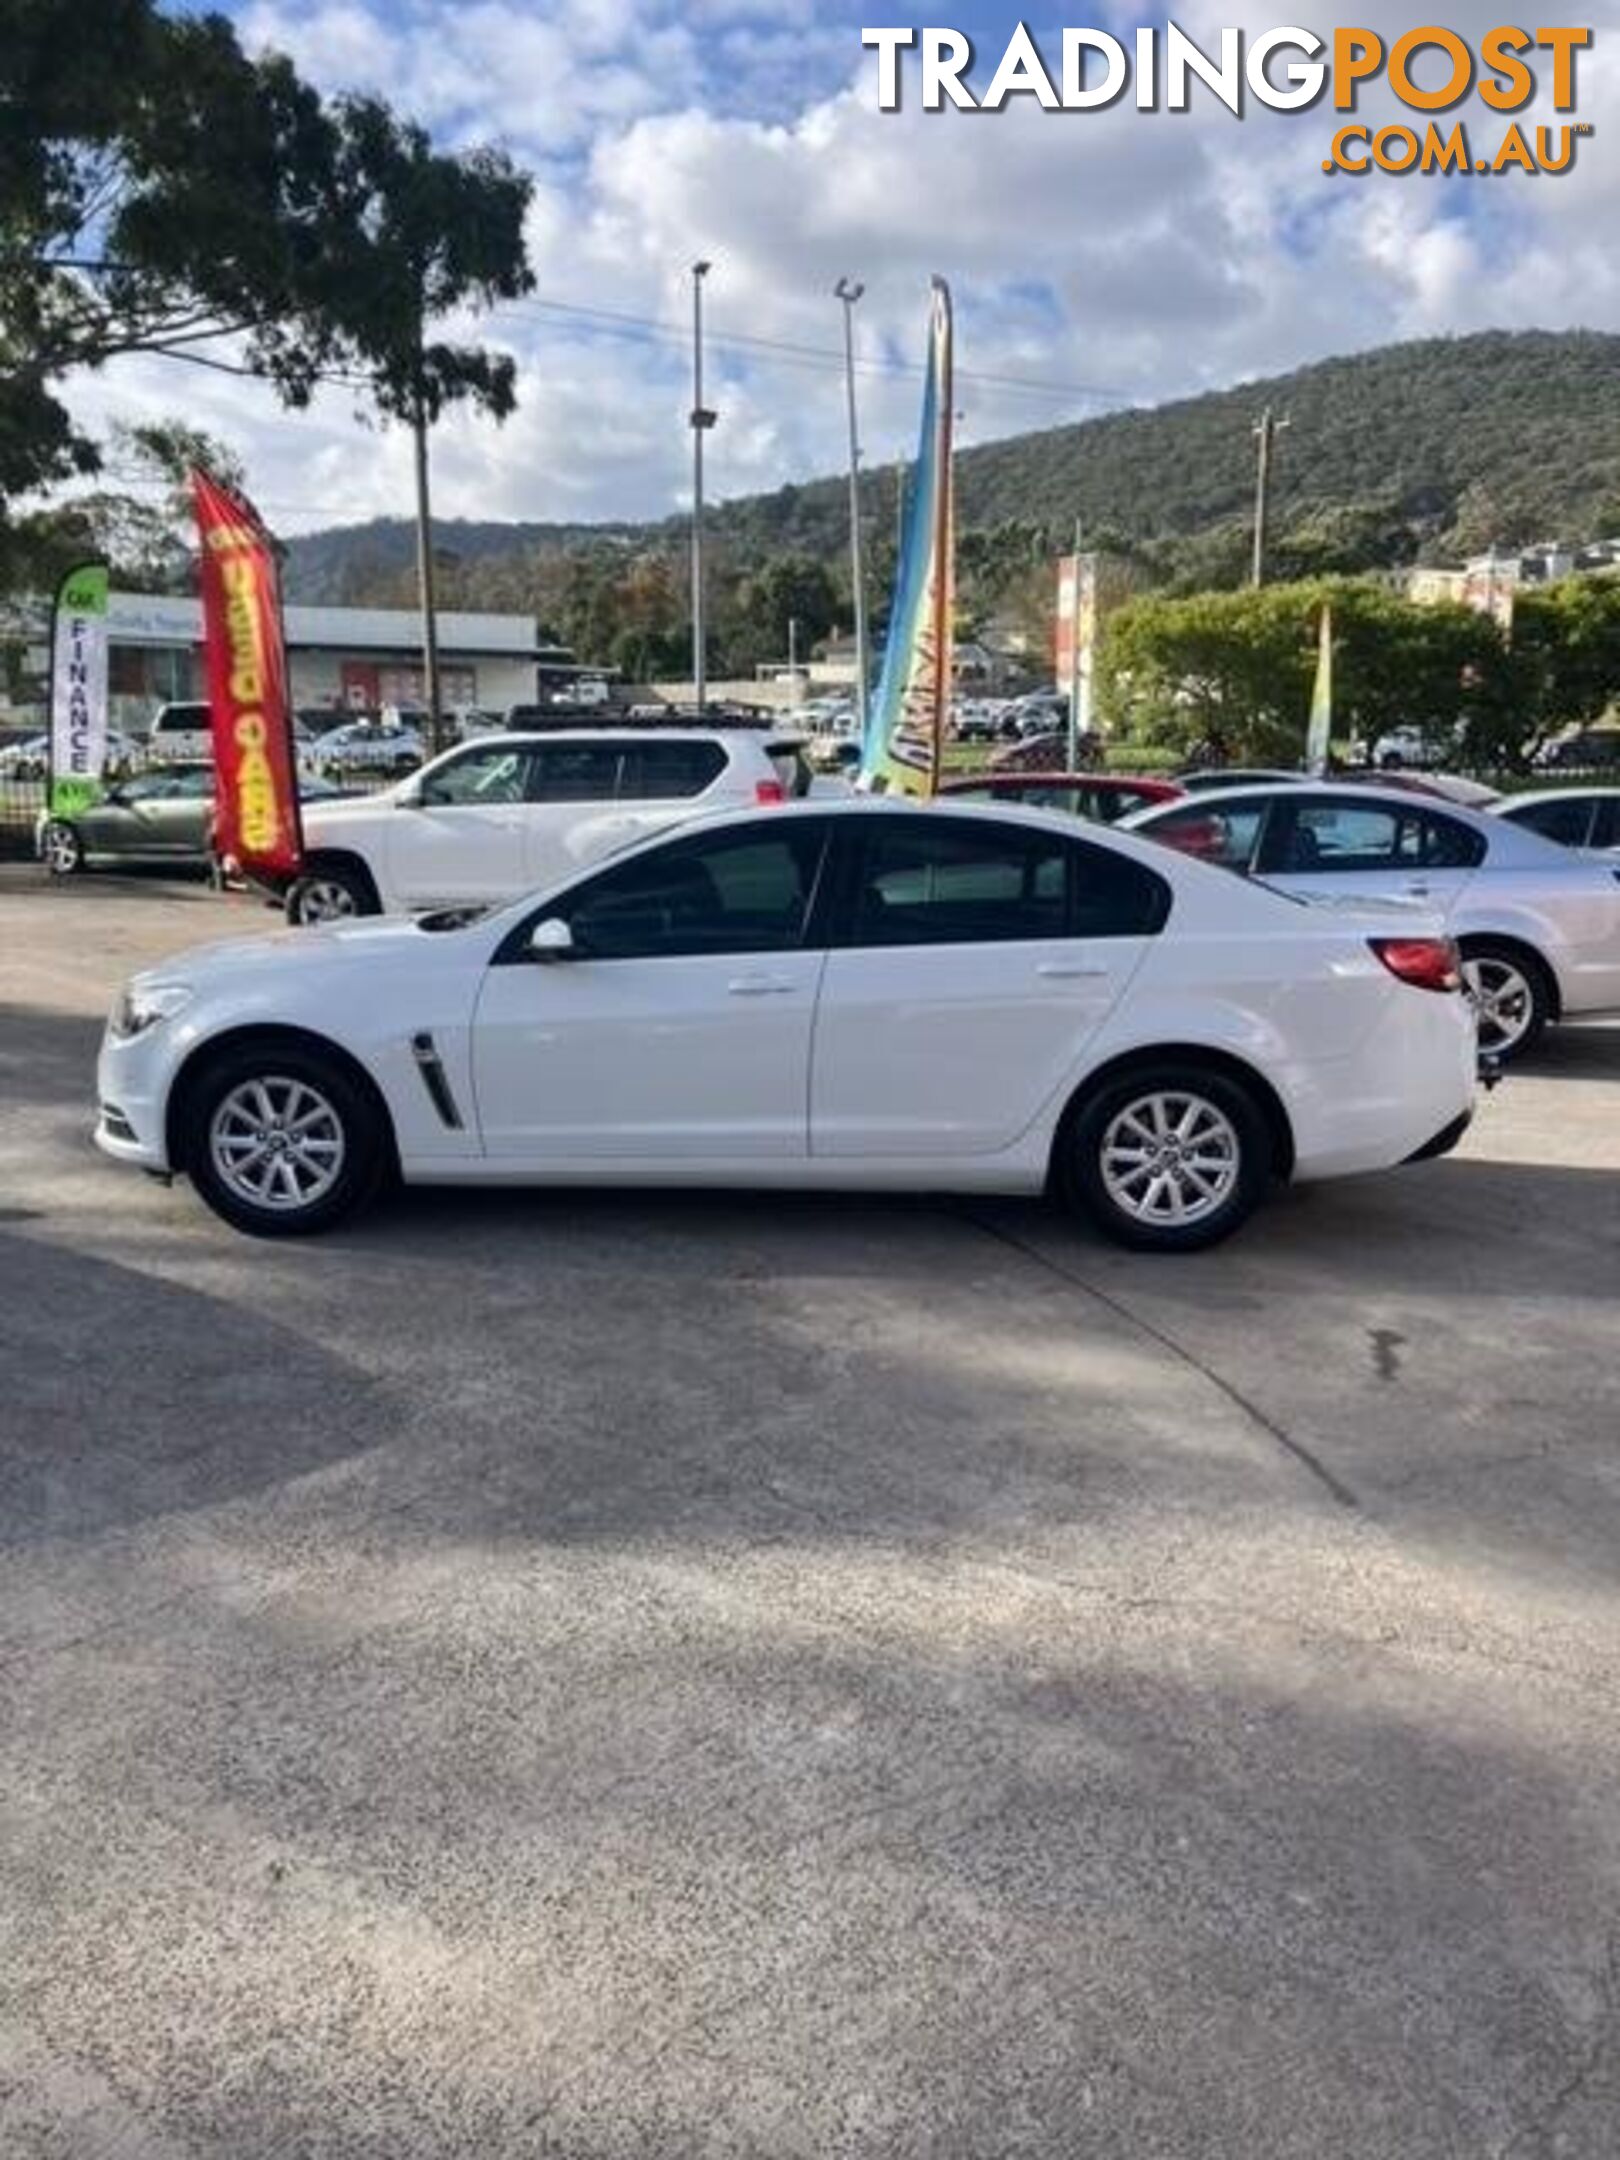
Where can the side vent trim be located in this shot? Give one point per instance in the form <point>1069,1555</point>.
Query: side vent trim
<point>431,1066</point>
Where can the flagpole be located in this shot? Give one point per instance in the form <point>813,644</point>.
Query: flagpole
<point>942,543</point>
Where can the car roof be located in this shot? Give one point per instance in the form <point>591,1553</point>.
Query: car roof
<point>1505,805</point>
<point>1000,777</point>
<point>629,731</point>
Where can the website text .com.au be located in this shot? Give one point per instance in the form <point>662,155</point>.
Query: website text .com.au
<point>1430,70</point>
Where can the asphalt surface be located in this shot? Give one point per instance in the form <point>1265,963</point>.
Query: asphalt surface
<point>608,1676</point>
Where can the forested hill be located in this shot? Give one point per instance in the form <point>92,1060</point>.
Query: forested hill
<point>1432,448</point>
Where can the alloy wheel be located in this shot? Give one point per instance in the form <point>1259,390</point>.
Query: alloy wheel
<point>1170,1158</point>
<point>325,899</point>
<point>276,1143</point>
<point>61,850</point>
<point>1503,999</point>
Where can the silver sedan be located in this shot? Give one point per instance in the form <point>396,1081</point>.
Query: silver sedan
<point>1538,926</point>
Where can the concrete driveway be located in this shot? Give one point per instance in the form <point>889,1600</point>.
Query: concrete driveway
<point>659,1676</point>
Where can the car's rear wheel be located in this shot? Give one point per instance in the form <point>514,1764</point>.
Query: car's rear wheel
<point>1510,994</point>
<point>62,849</point>
<point>282,1142</point>
<point>326,895</point>
<point>1167,1158</point>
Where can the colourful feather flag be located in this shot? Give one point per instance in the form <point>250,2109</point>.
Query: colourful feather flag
<point>905,727</point>
<point>1319,731</point>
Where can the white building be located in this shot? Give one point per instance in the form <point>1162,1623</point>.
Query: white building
<point>353,657</point>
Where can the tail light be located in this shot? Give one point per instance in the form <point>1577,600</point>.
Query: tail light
<point>769,791</point>
<point>1427,963</point>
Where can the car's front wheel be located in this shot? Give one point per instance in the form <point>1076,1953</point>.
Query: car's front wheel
<point>327,895</point>
<point>282,1142</point>
<point>1510,995</point>
<point>1167,1159</point>
<point>62,849</point>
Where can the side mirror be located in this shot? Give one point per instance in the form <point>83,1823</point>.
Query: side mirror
<point>552,939</point>
<point>408,795</point>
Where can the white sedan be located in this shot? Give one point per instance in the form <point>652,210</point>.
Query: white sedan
<point>860,994</point>
<point>1538,927</point>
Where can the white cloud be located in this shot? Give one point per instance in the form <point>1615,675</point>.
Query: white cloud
<point>1159,254</point>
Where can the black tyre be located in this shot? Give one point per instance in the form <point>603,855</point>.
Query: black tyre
<point>1510,993</point>
<point>331,893</point>
<point>282,1142</point>
<point>1166,1158</point>
<point>62,849</point>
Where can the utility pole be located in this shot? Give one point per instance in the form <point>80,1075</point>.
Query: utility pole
<point>701,421</point>
<point>1266,429</point>
<point>793,655</point>
<point>849,291</point>
<point>425,580</point>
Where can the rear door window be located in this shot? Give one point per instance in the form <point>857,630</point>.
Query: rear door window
<point>1348,837</point>
<point>562,772</point>
<point>669,771</point>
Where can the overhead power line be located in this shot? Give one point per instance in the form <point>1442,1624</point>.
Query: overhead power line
<point>657,328</point>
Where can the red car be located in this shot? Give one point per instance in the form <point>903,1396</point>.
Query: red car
<point>1102,797</point>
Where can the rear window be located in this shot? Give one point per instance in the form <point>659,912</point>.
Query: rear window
<point>181,720</point>
<point>669,771</point>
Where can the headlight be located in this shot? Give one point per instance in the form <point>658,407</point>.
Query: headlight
<point>143,1006</point>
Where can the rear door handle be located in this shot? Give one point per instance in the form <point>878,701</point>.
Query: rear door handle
<point>1069,970</point>
<point>1419,888</point>
<point>758,986</point>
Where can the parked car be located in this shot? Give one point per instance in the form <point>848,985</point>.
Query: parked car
<point>1586,817</point>
<point>858,994</point>
<point>1102,797</point>
<point>368,746</point>
<point>1048,752</point>
<point>490,819</point>
<point>1204,779</point>
<point>1413,746</point>
<point>1538,927</point>
<point>30,759</point>
<point>162,817</point>
<point>1587,749</point>
<point>181,733</point>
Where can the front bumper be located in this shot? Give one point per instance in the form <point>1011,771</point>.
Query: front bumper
<point>130,1102</point>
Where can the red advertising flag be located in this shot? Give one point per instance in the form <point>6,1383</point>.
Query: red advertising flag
<point>255,770</point>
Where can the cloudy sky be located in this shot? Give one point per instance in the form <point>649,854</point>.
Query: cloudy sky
<point>1098,258</point>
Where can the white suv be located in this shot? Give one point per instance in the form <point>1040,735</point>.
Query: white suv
<point>489,820</point>
<point>181,735</point>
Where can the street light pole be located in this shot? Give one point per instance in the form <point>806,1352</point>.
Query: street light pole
<point>425,581</point>
<point>1266,428</point>
<point>849,291</point>
<point>702,419</point>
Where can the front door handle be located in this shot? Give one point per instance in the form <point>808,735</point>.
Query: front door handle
<point>758,986</point>
<point>1070,970</point>
<point>1419,888</point>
